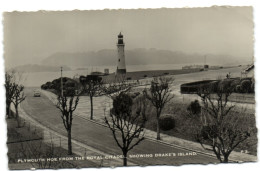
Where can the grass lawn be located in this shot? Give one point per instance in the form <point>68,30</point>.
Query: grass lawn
<point>185,129</point>
<point>27,143</point>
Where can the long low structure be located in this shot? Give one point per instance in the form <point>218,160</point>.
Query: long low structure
<point>194,87</point>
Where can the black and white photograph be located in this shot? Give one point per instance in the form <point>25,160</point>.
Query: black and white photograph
<point>129,87</point>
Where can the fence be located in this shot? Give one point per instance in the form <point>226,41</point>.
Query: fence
<point>53,144</point>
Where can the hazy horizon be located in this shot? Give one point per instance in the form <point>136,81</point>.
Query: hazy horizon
<point>30,37</point>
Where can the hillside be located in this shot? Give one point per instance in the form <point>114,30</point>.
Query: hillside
<point>38,68</point>
<point>136,57</point>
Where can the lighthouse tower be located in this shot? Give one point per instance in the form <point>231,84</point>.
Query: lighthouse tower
<point>121,68</point>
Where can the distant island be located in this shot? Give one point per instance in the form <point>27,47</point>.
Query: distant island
<point>108,57</point>
<point>38,68</point>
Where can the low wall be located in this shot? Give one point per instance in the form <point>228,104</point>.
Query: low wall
<point>194,87</point>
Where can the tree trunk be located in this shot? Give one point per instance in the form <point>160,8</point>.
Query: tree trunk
<point>91,107</point>
<point>8,110</point>
<point>225,159</point>
<point>17,117</point>
<point>69,143</point>
<point>125,158</point>
<point>158,129</point>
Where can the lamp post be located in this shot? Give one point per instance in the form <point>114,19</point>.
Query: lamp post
<point>61,82</point>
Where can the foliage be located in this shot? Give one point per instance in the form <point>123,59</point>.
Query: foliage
<point>68,85</point>
<point>253,87</point>
<point>208,131</point>
<point>238,88</point>
<point>159,94</point>
<point>194,108</point>
<point>245,86</point>
<point>126,126</point>
<point>187,127</point>
<point>166,122</point>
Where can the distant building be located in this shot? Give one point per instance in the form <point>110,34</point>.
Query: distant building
<point>97,73</point>
<point>193,67</point>
<point>121,68</point>
<point>106,71</point>
<point>206,66</point>
<point>248,71</point>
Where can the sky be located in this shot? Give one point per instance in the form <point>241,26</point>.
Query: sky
<point>30,37</point>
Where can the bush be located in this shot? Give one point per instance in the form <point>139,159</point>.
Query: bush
<point>194,108</point>
<point>44,87</point>
<point>209,131</point>
<point>253,87</point>
<point>235,82</point>
<point>145,75</point>
<point>245,86</point>
<point>122,104</point>
<point>238,89</point>
<point>226,84</point>
<point>166,122</point>
<point>128,78</point>
<point>70,84</point>
<point>214,86</point>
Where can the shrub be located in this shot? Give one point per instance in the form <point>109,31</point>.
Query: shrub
<point>245,86</point>
<point>194,108</point>
<point>253,87</point>
<point>70,84</point>
<point>238,89</point>
<point>48,83</point>
<point>44,87</point>
<point>226,84</point>
<point>64,79</point>
<point>166,73</point>
<point>214,86</point>
<point>166,122</point>
<point>129,78</point>
<point>235,82</point>
<point>145,75</point>
<point>209,131</point>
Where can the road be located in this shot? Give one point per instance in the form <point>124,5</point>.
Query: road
<point>100,138</point>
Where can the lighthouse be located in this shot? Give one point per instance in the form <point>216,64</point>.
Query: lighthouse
<point>121,68</point>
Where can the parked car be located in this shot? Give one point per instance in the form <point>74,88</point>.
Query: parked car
<point>36,93</point>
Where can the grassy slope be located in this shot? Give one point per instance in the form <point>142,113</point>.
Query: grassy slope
<point>28,138</point>
<point>184,127</point>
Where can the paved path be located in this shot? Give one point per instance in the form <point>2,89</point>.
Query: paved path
<point>100,138</point>
<point>101,103</point>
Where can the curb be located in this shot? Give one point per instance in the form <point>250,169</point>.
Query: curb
<point>24,115</point>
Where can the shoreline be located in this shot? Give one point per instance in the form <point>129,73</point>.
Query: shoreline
<point>140,75</point>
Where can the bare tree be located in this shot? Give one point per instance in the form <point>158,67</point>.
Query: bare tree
<point>42,154</point>
<point>159,94</point>
<point>219,127</point>
<point>127,127</point>
<point>91,86</point>
<point>113,88</point>
<point>10,88</point>
<point>18,97</point>
<point>67,104</point>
